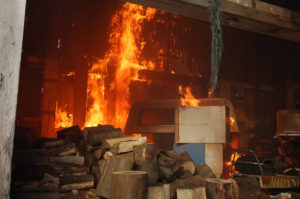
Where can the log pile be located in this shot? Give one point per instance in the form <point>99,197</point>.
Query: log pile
<point>99,162</point>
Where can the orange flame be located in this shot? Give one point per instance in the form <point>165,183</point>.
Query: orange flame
<point>188,98</point>
<point>233,158</point>
<point>108,95</point>
<point>62,118</point>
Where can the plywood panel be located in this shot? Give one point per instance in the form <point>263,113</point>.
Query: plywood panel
<point>205,124</point>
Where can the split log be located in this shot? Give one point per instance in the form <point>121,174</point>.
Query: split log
<point>114,163</point>
<point>108,143</point>
<point>30,152</point>
<point>72,160</point>
<point>31,160</point>
<point>90,159</point>
<point>145,157</point>
<point>129,185</point>
<point>102,163</point>
<point>48,183</point>
<point>124,147</point>
<point>69,169</point>
<point>29,173</point>
<point>191,193</point>
<point>37,195</point>
<point>68,149</point>
<point>168,167</point>
<point>194,181</point>
<point>52,143</point>
<point>159,192</point>
<point>72,182</point>
<point>98,153</point>
<point>248,187</point>
<point>95,170</point>
<point>71,134</point>
<point>217,188</point>
<point>107,154</point>
<point>90,148</point>
<point>79,194</point>
<point>96,135</point>
<point>204,171</point>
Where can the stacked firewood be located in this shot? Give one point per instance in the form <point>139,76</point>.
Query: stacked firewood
<point>99,162</point>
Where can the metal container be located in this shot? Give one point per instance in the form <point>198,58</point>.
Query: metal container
<point>288,123</point>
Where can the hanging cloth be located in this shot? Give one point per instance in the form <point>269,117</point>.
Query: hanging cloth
<point>216,42</point>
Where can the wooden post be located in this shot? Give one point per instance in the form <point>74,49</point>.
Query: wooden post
<point>129,185</point>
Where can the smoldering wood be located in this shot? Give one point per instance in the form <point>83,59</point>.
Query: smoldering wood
<point>37,195</point>
<point>145,157</point>
<point>108,143</point>
<point>217,188</point>
<point>63,150</point>
<point>129,185</point>
<point>159,192</point>
<point>194,181</point>
<point>71,134</point>
<point>204,171</point>
<point>127,146</point>
<point>191,193</point>
<point>114,163</point>
<point>72,160</point>
<point>96,135</point>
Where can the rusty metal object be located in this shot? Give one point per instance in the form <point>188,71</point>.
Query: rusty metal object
<point>288,123</point>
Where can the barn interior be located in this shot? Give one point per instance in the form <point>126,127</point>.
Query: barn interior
<point>94,64</point>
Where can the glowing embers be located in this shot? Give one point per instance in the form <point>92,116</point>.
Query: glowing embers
<point>187,98</point>
<point>109,79</point>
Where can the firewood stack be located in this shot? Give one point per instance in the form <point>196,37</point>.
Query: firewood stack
<point>99,162</point>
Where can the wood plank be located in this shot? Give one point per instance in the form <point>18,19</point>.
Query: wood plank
<point>236,15</point>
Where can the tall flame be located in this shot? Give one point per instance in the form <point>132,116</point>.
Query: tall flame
<point>187,98</point>
<point>109,79</point>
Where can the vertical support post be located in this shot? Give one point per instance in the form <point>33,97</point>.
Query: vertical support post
<point>11,35</point>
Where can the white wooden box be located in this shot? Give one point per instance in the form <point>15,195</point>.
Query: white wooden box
<point>203,124</point>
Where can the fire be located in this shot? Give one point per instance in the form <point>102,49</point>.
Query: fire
<point>62,118</point>
<point>234,157</point>
<point>188,98</point>
<point>109,79</point>
<point>231,121</point>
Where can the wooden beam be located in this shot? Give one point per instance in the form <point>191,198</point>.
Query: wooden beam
<point>259,17</point>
